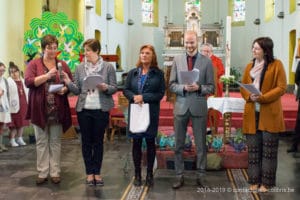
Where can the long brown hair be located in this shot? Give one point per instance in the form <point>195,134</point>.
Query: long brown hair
<point>267,45</point>
<point>154,57</point>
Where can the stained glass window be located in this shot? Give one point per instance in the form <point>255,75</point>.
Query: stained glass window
<point>148,11</point>
<point>239,10</point>
<point>192,3</point>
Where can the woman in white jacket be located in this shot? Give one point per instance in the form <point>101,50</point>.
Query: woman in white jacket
<point>18,98</point>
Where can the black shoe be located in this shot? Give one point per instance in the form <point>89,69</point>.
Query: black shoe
<point>90,183</point>
<point>137,181</point>
<point>40,181</point>
<point>55,180</point>
<point>294,148</point>
<point>178,183</point>
<point>99,182</point>
<point>149,180</point>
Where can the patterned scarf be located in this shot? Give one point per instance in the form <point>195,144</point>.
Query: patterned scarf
<point>92,69</point>
<point>255,73</point>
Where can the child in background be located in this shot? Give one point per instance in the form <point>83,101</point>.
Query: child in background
<point>18,96</point>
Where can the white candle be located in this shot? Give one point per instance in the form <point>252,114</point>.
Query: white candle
<point>228,45</point>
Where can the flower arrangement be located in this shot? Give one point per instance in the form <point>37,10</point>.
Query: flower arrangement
<point>217,143</point>
<point>227,79</point>
<point>214,143</point>
<point>239,141</point>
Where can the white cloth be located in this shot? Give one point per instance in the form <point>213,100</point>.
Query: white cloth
<point>226,104</point>
<point>4,104</point>
<point>14,102</point>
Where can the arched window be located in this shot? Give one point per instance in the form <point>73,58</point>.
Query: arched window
<point>149,12</point>
<point>292,6</point>
<point>269,10</point>
<point>119,11</point>
<point>192,3</point>
<point>98,8</point>
<point>237,9</point>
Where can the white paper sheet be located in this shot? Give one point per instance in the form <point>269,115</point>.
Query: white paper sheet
<point>55,87</point>
<point>91,82</point>
<point>250,88</point>
<point>188,77</point>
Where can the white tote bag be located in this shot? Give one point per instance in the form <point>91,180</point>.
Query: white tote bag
<point>139,117</point>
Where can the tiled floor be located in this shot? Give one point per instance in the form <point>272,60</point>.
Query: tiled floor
<point>18,173</point>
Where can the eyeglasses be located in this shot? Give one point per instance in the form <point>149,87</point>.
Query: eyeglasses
<point>54,48</point>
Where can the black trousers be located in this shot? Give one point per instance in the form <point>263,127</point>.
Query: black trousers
<point>137,154</point>
<point>92,127</point>
<point>296,138</point>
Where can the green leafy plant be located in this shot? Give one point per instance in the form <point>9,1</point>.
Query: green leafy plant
<point>239,136</point>
<point>209,140</point>
<point>227,79</point>
<point>239,141</point>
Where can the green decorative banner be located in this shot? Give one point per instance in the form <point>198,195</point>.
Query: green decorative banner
<point>69,38</point>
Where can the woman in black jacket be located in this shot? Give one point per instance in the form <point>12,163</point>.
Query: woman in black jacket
<point>145,84</point>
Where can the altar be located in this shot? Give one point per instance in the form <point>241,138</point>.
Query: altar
<point>226,105</point>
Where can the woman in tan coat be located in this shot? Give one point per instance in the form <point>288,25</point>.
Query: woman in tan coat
<point>263,116</point>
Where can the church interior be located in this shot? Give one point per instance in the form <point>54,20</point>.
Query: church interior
<point>122,27</point>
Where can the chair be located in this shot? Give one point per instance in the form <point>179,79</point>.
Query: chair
<point>118,116</point>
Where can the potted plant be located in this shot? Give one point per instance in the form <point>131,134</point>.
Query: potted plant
<point>239,141</point>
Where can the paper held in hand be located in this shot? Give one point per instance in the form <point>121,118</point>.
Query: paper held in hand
<point>250,88</point>
<point>188,77</point>
<point>55,87</point>
<point>91,82</point>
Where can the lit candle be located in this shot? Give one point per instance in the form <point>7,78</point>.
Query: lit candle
<point>228,45</point>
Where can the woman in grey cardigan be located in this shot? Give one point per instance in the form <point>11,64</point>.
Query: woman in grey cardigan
<point>93,105</point>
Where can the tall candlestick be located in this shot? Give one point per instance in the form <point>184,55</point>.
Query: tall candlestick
<point>228,45</point>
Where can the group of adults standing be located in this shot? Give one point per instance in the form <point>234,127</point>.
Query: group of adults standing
<point>49,112</point>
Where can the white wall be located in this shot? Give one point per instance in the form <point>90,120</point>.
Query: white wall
<point>130,38</point>
<point>11,34</point>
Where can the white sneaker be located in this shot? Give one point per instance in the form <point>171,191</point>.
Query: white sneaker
<point>13,142</point>
<point>20,141</point>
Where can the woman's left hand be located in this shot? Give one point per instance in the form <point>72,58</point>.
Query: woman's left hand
<point>63,90</point>
<point>103,87</point>
<point>254,97</point>
<point>138,99</point>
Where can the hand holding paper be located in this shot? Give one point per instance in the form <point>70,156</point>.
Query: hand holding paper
<point>55,88</point>
<point>250,88</point>
<point>188,77</point>
<point>91,82</point>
